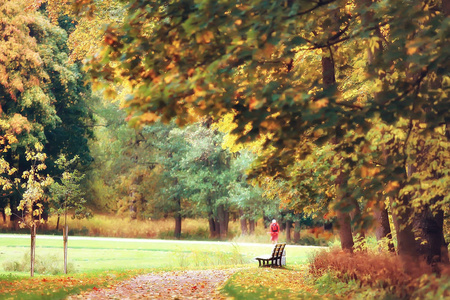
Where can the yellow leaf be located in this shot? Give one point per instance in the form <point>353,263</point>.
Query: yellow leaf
<point>149,117</point>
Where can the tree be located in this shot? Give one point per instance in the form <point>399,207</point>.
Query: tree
<point>208,174</point>
<point>31,206</point>
<point>66,195</point>
<point>171,193</point>
<point>246,195</point>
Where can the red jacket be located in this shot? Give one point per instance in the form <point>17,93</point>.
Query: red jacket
<point>274,227</point>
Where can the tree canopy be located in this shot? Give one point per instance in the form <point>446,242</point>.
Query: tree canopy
<point>369,78</point>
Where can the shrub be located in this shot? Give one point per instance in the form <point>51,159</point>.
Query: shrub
<point>380,270</point>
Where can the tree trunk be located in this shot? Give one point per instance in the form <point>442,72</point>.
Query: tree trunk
<point>213,224</point>
<point>243,221</point>
<point>343,218</point>
<point>3,215</point>
<point>32,248</point>
<point>226,221</point>
<point>406,241</point>
<point>251,225</point>
<point>57,222</point>
<point>288,231</point>
<point>297,231</point>
<point>383,228</point>
<point>177,231</point>
<point>345,231</point>
<point>213,232</point>
<point>65,239</point>
<point>329,78</point>
<point>178,217</point>
<point>222,216</point>
<point>355,215</point>
<point>432,241</point>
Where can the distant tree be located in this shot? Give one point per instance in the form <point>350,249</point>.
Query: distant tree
<point>171,194</point>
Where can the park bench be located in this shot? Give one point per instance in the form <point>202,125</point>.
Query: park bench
<point>276,259</point>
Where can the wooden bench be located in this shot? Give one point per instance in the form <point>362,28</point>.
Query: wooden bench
<point>273,260</point>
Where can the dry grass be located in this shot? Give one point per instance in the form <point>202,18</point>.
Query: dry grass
<point>116,226</point>
<point>381,270</point>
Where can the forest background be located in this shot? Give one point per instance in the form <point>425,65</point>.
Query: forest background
<point>299,111</point>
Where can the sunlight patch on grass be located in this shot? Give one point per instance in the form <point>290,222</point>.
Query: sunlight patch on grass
<point>269,283</point>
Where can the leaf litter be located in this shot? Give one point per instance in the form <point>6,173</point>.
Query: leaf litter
<point>188,284</point>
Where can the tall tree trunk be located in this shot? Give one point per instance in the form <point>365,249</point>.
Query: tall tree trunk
<point>32,248</point>
<point>226,221</point>
<point>251,225</point>
<point>243,221</point>
<point>383,228</point>
<point>65,240</point>
<point>178,220</point>
<point>328,70</point>
<point>222,216</point>
<point>57,222</point>
<point>65,235</point>
<point>345,231</point>
<point>3,215</point>
<point>213,225</point>
<point>355,215</point>
<point>329,80</point>
<point>288,231</point>
<point>343,218</point>
<point>178,217</point>
<point>432,242</point>
<point>213,232</point>
<point>406,241</point>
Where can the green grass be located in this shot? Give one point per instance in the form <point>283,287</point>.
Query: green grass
<point>269,283</point>
<point>86,254</point>
<point>103,261</point>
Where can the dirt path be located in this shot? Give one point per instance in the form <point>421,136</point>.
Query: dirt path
<point>198,284</point>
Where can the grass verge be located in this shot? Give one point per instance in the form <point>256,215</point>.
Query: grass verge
<point>59,286</point>
<point>270,283</point>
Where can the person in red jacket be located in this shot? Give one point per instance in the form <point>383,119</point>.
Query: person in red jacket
<point>274,230</point>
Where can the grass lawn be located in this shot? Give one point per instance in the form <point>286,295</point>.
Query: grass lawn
<point>99,262</point>
<point>100,254</point>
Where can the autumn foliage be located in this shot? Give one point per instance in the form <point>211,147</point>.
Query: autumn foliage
<point>381,270</point>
